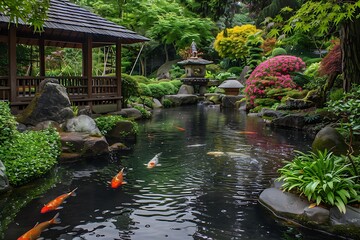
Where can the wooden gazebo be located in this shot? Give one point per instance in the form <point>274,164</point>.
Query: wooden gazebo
<point>68,26</point>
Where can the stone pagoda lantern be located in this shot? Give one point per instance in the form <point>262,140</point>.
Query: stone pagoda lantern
<point>195,69</point>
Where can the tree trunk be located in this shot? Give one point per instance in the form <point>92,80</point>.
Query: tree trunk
<point>350,48</point>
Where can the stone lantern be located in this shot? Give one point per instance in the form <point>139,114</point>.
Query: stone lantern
<point>195,69</point>
<point>231,87</point>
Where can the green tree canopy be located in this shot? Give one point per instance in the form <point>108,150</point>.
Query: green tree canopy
<point>32,12</point>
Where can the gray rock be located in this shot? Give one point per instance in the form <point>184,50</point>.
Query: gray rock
<point>123,130</point>
<point>157,103</point>
<point>4,182</point>
<point>132,113</point>
<point>85,111</point>
<point>77,145</point>
<point>283,202</point>
<point>229,101</point>
<point>317,214</point>
<point>45,125</point>
<point>50,103</point>
<point>293,104</point>
<point>182,99</point>
<point>351,217</point>
<point>329,138</point>
<point>265,112</point>
<point>82,123</point>
<point>290,121</point>
<point>186,89</point>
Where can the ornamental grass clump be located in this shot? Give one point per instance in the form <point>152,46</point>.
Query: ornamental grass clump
<point>323,178</point>
<point>273,73</point>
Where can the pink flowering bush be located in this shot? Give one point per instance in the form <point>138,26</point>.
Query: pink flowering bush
<point>273,73</point>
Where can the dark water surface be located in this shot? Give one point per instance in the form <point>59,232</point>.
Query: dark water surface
<point>192,195</point>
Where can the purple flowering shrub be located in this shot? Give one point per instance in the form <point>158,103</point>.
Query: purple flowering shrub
<point>273,73</point>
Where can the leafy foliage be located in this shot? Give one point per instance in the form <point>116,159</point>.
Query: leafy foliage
<point>144,113</point>
<point>331,64</point>
<point>278,51</point>
<point>32,12</point>
<point>157,90</point>
<point>349,108</point>
<point>273,73</point>
<point>129,87</point>
<point>106,123</point>
<point>232,43</point>
<point>28,155</point>
<point>322,177</point>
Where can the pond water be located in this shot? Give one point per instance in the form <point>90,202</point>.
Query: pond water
<point>192,195</point>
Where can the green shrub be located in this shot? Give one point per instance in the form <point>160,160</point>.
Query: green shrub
<point>322,177</point>
<point>265,102</point>
<point>213,68</point>
<point>144,90</point>
<point>140,79</point>
<point>169,88</point>
<point>310,61</point>
<point>7,123</point>
<point>31,155</point>
<point>129,88</point>
<point>144,113</point>
<point>235,70</point>
<point>176,71</point>
<point>278,51</point>
<point>167,103</point>
<point>224,75</point>
<point>336,94</point>
<point>158,91</point>
<point>177,83</point>
<point>106,123</point>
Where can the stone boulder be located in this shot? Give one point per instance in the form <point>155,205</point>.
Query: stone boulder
<point>123,130</point>
<point>186,89</point>
<point>229,101</point>
<point>182,99</point>
<point>329,138</point>
<point>47,124</point>
<point>82,123</point>
<point>157,103</point>
<point>132,113</point>
<point>77,145</point>
<point>294,104</point>
<point>50,103</point>
<point>290,121</point>
<point>4,182</point>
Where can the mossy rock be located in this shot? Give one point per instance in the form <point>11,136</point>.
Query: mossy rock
<point>329,138</point>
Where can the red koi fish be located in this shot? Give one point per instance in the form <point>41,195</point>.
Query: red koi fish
<point>118,180</point>
<point>35,232</point>
<point>180,129</point>
<point>54,204</point>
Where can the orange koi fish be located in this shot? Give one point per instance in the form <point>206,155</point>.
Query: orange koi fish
<point>54,204</point>
<point>154,161</point>
<point>35,232</point>
<point>118,180</point>
<point>247,132</point>
<point>180,129</point>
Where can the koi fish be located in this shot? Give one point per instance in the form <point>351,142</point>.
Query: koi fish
<point>247,132</point>
<point>154,161</point>
<point>216,154</point>
<point>35,232</point>
<point>118,180</point>
<point>54,204</point>
<point>180,129</point>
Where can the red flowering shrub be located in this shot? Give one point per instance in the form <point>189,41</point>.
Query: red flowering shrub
<point>273,73</point>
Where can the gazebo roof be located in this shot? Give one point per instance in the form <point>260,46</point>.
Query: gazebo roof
<point>68,22</point>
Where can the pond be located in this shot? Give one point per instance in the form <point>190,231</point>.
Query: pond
<point>214,165</point>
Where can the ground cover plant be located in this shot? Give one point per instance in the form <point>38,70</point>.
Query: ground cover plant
<point>323,178</point>
<point>26,155</point>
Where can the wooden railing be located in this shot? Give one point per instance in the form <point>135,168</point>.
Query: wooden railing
<point>104,89</point>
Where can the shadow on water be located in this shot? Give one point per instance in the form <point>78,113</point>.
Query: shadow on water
<point>194,194</point>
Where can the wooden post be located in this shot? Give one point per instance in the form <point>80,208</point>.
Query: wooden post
<point>118,73</point>
<point>87,65</point>
<point>42,56</point>
<point>12,63</point>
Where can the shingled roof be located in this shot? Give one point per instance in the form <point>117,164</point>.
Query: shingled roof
<point>68,22</point>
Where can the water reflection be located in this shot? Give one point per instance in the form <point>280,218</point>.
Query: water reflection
<point>192,195</point>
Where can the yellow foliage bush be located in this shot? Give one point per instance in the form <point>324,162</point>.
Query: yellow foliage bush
<point>232,44</point>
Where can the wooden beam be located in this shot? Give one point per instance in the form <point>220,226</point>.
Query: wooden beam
<point>118,73</point>
<point>12,63</point>
<point>42,56</point>
<point>87,64</point>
